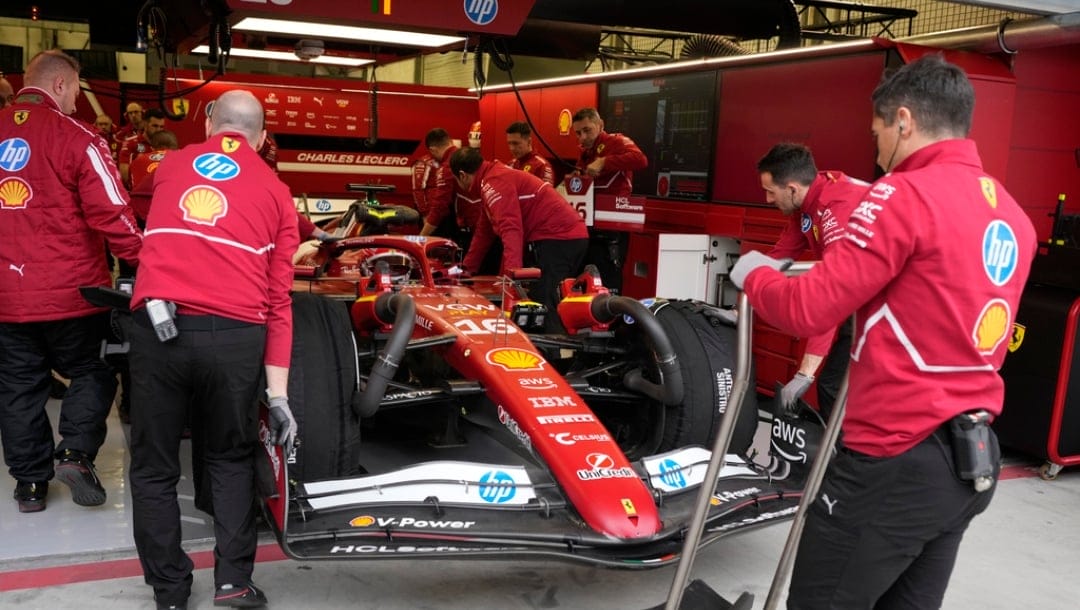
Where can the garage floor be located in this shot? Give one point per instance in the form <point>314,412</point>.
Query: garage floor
<point>1022,553</point>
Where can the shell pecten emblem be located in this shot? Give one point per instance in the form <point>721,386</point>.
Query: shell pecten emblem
<point>362,521</point>
<point>204,205</point>
<point>513,359</point>
<point>14,193</point>
<point>992,327</point>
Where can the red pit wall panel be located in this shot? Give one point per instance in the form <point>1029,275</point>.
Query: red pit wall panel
<point>498,110</point>
<point>1046,134</point>
<point>823,103</point>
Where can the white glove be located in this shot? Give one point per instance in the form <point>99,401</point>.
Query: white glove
<point>793,391</point>
<point>282,423</point>
<point>752,260</point>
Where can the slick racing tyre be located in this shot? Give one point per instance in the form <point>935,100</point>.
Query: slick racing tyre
<point>706,349</point>
<point>322,383</point>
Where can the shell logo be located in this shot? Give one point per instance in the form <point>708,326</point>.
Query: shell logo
<point>203,205</point>
<point>992,327</point>
<point>363,521</point>
<point>564,122</point>
<point>512,359</point>
<point>14,193</point>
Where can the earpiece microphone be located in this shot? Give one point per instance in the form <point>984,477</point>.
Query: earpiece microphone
<point>902,125</point>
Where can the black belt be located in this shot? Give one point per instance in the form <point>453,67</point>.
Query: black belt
<point>206,322</point>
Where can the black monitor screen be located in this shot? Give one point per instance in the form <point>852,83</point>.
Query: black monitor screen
<point>673,120</point>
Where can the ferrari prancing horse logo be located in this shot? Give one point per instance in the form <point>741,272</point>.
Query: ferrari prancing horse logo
<point>1017,337</point>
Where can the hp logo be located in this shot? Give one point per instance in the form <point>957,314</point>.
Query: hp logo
<point>216,166</point>
<point>481,12</point>
<point>497,487</point>
<point>14,154</point>
<point>671,474</point>
<point>1000,252</point>
<point>576,185</point>
<point>322,205</point>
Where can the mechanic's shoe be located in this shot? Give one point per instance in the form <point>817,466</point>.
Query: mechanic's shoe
<point>31,496</point>
<point>75,470</point>
<point>168,606</point>
<point>239,596</point>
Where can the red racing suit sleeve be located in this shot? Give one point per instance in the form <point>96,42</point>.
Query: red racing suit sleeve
<point>304,226</point>
<point>623,154</point>
<point>441,195</point>
<point>279,325</point>
<point>483,237</point>
<point>105,201</point>
<point>792,242</point>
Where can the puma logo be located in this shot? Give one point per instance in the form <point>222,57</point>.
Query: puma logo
<point>828,503</point>
<point>318,100</point>
<point>12,267</point>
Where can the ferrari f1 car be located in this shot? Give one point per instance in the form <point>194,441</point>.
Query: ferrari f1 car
<point>436,420</point>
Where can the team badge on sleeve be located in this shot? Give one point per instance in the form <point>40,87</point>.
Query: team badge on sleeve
<point>1017,337</point>
<point>230,145</point>
<point>989,191</point>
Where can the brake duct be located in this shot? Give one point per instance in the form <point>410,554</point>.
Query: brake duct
<point>606,308</point>
<point>402,310</point>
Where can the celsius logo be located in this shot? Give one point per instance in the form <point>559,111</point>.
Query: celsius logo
<point>497,487</point>
<point>215,166</point>
<point>1000,252</point>
<point>14,154</point>
<point>671,473</point>
<point>481,12</point>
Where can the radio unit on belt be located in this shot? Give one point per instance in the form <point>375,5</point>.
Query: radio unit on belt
<point>970,435</point>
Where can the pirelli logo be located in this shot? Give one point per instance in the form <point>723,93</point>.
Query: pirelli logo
<point>577,418</point>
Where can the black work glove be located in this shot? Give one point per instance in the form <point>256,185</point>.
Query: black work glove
<point>792,392</point>
<point>282,423</point>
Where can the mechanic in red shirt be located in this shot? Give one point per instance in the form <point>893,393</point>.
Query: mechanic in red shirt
<point>611,160</point>
<point>7,92</point>
<point>138,144</point>
<point>143,166</point>
<point>424,173</point>
<point>103,123</point>
<point>935,259</point>
<point>133,112</point>
<point>219,244</point>
<point>817,205</point>
<point>523,210</point>
<point>444,218</point>
<point>61,200</point>
<point>519,140</point>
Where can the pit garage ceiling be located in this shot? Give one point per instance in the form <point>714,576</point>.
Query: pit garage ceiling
<point>740,19</point>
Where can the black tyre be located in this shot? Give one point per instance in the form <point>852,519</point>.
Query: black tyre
<point>706,350</point>
<point>322,383</point>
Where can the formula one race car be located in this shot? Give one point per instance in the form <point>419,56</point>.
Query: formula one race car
<point>437,420</point>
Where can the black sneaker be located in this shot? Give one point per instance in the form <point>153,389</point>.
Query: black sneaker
<point>31,496</point>
<point>168,606</point>
<point>239,596</point>
<point>76,471</point>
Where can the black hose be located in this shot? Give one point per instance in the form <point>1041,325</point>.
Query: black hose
<point>605,308</point>
<point>402,310</point>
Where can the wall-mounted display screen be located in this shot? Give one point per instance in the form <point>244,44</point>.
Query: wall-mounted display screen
<point>673,120</point>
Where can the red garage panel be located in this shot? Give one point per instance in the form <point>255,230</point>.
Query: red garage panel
<point>757,111</point>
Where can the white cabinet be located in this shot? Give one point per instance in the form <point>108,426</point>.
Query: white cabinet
<point>692,266</point>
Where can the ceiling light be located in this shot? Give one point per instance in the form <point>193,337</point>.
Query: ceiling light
<point>345,32</point>
<point>332,60</point>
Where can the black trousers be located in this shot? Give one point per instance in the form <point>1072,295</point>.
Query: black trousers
<point>833,369</point>
<point>28,353</point>
<point>217,374</point>
<point>607,250</point>
<point>883,533</point>
<point>557,259</point>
